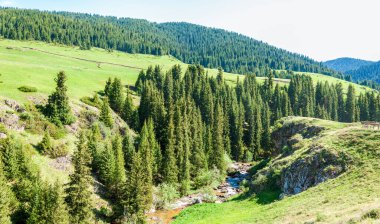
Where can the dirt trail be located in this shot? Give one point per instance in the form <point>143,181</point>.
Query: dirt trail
<point>83,59</point>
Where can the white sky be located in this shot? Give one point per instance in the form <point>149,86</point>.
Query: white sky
<point>320,29</point>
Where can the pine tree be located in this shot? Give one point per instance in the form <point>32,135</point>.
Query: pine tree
<point>116,96</point>
<point>351,104</point>
<point>134,197</point>
<point>105,114</point>
<point>128,111</point>
<point>147,157</point>
<point>119,172</point>
<point>46,146</point>
<point>106,166</point>
<point>266,139</point>
<point>198,158</point>
<point>128,150</point>
<point>58,108</point>
<point>6,198</point>
<point>47,205</point>
<point>107,88</point>
<point>156,152</point>
<point>170,169</point>
<point>184,173</point>
<point>216,158</point>
<point>78,193</point>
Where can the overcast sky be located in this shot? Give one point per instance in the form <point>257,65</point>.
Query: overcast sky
<point>320,29</point>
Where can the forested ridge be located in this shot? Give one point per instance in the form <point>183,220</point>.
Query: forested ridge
<point>346,64</point>
<point>188,42</point>
<point>370,72</point>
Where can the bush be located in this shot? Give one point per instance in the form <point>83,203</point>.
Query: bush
<point>58,151</point>
<point>210,178</point>
<point>27,89</point>
<point>36,123</point>
<point>166,193</point>
<point>209,195</point>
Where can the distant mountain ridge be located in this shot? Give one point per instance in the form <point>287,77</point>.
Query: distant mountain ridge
<point>346,64</point>
<point>369,72</point>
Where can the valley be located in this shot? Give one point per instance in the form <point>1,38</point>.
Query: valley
<point>108,119</point>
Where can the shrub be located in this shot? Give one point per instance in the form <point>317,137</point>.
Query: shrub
<point>166,193</point>
<point>209,195</point>
<point>27,89</point>
<point>210,178</point>
<point>58,151</point>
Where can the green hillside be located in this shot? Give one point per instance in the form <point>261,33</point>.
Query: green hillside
<point>35,64</point>
<point>352,197</point>
<point>189,43</point>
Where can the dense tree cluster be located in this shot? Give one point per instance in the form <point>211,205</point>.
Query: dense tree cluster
<point>187,42</point>
<point>369,72</point>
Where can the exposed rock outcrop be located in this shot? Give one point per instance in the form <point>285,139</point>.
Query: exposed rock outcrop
<point>294,171</point>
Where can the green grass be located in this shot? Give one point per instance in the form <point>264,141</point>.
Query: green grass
<point>352,197</point>
<point>20,65</point>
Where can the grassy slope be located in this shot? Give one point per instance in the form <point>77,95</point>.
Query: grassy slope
<point>348,197</point>
<point>20,65</point>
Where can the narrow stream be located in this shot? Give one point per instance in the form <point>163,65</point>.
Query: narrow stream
<point>224,191</point>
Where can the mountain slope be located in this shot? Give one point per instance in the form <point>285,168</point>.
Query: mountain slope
<point>189,43</point>
<point>346,64</point>
<point>20,64</point>
<point>353,196</point>
<point>369,72</point>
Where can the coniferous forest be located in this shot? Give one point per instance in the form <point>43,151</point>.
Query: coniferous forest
<point>189,126</point>
<point>173,133</point>
<point>189,43</point>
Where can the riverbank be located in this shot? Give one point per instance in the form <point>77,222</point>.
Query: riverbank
<point>230,187</point>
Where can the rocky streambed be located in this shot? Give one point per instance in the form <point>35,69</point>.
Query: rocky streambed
<point>227,189</point>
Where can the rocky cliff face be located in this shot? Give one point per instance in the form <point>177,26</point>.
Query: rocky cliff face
<point>302,161</point>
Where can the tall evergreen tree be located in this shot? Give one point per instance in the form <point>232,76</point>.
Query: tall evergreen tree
<point>216,158</point>
<point>78,193</point>
<point>58,108</point>
<point>351,104</point>
<point>105,114</point>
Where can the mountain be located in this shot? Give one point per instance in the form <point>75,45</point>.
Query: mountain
<point>189,43</point>
<point>346,64</point>
<point>369,72</point>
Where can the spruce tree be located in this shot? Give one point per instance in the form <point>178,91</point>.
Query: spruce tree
<point>78,197</point>
<point>107,88</point>
<point>170,169</point>
<point>46,145</point>
<point>184,173</point>
<point>216,158</point>
<point>119,173</point>
<point>266,139</point>
<point>116,96</point>
<point>105,114</point>
<point>47,205</point>
<point>128,111</point>
<point>351,104</point>
<point>58,108</point>
<point>128,150</point>
<point>147,157</point>
<point>156,152</point>
<point>7,199</point>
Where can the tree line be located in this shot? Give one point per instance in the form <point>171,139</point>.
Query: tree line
<point>187,124</point>
<point>187,42</point>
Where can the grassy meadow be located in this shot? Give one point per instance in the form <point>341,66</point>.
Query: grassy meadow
<point>35,64</point>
